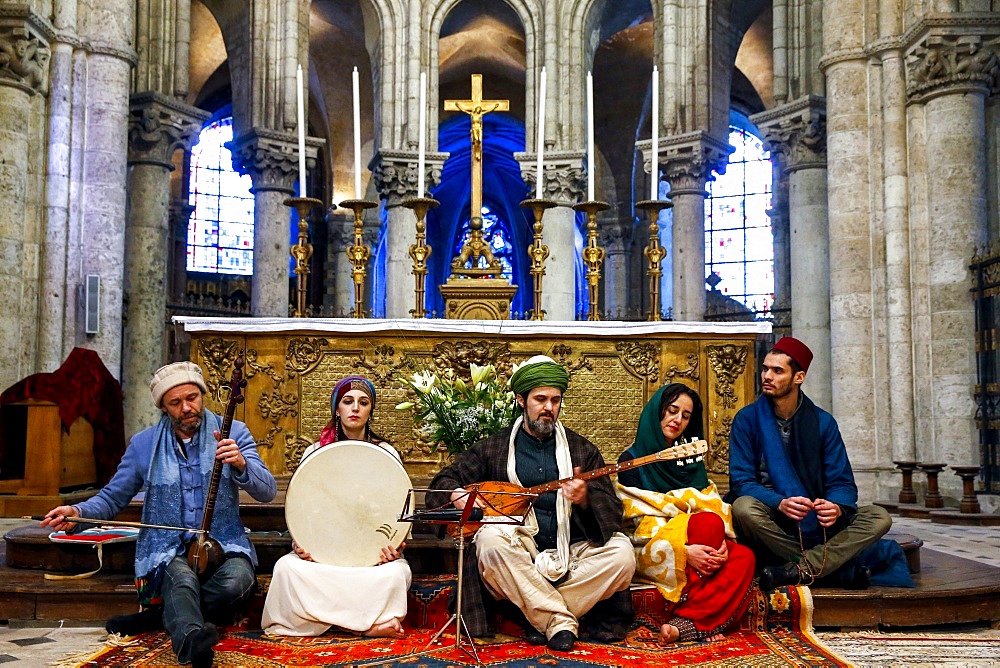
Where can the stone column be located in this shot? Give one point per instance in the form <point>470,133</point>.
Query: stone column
<point>271,160</point>
<point>158,125</point>
<point>687,162</point>
<point>395,178</point>
<point>614,237</point>
<point>950,73</point>
<point>23,75</point>
<point>339,286</point>
<point>565,184</point>
<point>795,134</point>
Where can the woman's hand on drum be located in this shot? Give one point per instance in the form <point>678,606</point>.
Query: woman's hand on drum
<point>302,554</point>
<point>460,496</point>
<point>390,553</point>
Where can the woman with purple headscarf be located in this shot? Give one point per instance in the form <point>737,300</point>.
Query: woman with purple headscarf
<point>308,598</point>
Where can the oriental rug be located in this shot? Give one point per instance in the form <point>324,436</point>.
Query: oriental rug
<point>776,631</point>
<point>980,648</point>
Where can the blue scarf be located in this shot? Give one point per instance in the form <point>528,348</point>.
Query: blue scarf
<point>155,548</point>
<point>798,469</point>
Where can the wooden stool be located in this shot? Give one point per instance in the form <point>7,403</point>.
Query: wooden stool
<point>906,494</point>
<point>933,499</point>
<point>969,503</point>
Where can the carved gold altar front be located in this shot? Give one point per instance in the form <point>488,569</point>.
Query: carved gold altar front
<point>292,372</point>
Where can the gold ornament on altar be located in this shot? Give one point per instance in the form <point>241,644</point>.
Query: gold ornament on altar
<point>302,251</point>
<point>593,255</point>
<point>358,253</point>
<point>654,253</point>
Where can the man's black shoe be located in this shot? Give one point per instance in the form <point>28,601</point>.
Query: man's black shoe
<point>533,635</point>
<point>150,619</point>
<point>773,577</point>
<point>202,642</point>
<point>562,641</point>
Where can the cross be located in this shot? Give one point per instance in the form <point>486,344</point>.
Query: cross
<point>476,108</point>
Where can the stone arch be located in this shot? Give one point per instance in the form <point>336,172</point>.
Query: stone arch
<point>529,17</point>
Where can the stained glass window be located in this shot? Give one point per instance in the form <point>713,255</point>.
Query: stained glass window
<point>739,247</point>
<point>495,233</point>
<point>220,231</point>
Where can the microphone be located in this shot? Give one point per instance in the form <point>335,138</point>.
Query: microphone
<point>449,515</point>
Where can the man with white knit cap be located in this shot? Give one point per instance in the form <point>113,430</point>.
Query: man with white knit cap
<point>570,554</point>
<point>173,462</point>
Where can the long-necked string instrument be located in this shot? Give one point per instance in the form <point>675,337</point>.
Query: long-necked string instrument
<point>516,500</point>
<point>114,523</point>
<point>205,554</point>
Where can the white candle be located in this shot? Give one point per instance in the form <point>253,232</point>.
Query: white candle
<point>357,133</point>
<point>654,172</point>
<point>540,170</point>
<point>301,122</point>
<point>422,142</point>
<point>590,137</point>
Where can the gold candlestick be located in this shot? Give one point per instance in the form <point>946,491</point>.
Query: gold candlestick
<point>302,251</point>
<point>593,255</point>
<point>538,252</point>
<point>654,252</point>
<point>358,254</point>
<point>420,251</point>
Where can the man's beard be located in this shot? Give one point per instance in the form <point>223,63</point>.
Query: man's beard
<point>186,428</point>
<point>541,429</point>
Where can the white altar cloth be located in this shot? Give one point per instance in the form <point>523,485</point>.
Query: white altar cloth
<point>569,328</point>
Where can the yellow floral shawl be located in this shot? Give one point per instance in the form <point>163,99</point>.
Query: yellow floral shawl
<point>657,525</point>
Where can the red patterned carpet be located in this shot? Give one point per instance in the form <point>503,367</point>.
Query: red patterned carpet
<point>777,631</point>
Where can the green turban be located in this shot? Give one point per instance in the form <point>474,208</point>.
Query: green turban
<point>539,371</point>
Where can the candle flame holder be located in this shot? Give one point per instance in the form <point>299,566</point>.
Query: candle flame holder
<point>420,251</point>
<point>593,255</point>
<point>654,253</point>
<point>302,251</point>
<point>538,252</point>
<point>358,254</point>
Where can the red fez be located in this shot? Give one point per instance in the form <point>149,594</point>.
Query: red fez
<point>795,349</point>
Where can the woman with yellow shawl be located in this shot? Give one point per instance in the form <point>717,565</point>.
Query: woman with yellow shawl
<point>681,529</point>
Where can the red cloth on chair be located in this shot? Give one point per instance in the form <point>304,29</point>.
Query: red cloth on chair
<point>81,387</point>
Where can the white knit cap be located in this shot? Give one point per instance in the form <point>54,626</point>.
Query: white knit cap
<point>170,376</point>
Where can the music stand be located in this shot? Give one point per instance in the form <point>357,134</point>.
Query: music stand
<point>459,518</point>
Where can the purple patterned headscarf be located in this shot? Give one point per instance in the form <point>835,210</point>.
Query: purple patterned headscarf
<point>344,386</point>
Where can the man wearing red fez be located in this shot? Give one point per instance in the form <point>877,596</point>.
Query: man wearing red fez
<point>796,503</point>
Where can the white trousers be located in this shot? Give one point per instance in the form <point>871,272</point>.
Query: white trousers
<point>596,572</point>
<point>306,598</point>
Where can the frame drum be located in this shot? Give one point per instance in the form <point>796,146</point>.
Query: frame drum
<point>343,503</point>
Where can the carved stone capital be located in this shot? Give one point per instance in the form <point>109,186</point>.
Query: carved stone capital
<point>159,125</point>
<point>271,158</point>
<point>953,55</point>
<point>795,133</point>
<point>565,181</point>
<point>396,177</point>
<point>340,230</point>
<point>687,160</point>
<point>614,236</point>
<point>25,37</point>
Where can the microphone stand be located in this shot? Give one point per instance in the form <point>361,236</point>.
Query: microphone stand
<point>460,518</point>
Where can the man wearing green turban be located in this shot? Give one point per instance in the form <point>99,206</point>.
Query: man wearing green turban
<point>569,554</point>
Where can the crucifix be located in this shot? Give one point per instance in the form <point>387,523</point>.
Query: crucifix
<point>475,247</point>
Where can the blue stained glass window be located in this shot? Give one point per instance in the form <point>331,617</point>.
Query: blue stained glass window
<point>220,231</point>
<point>739,246</point>
<point>495,232</point>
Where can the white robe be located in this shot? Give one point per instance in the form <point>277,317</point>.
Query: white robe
<point>307,598</point>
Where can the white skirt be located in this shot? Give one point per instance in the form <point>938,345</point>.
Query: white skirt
<point>306,598</point>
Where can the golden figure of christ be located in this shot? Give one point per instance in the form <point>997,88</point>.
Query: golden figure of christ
<point>476,108</point>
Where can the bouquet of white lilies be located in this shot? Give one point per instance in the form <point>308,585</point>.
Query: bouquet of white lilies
<point>450,411</point>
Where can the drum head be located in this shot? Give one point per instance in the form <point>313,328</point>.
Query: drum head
<point>343,503</point>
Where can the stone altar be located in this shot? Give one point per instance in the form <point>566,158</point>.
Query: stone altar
<point>293,363</point>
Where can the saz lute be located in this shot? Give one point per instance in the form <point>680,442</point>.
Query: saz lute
<point>514,501</point>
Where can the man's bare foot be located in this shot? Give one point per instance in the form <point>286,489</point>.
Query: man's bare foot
<point>389,629</point>
<point>717,636</point>
<point>669,633</point>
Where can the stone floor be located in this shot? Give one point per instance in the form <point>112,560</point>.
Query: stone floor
<point>54,646</point>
